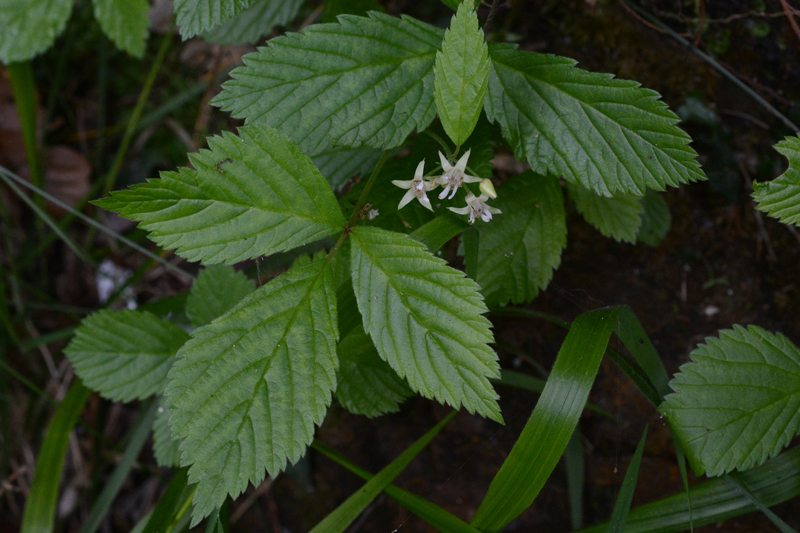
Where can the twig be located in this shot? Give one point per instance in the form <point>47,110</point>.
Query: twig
<point>762,229</point>
<point>790,12</point>
<point>745,116</point>
<point>262,488</point>
<point>647,23</point>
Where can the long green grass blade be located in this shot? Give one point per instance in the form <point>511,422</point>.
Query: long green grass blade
<point>24,88</point>
<point>40,508</point>
<point>138,437</point>
<point>43,216</point>
<point>171,502</point>
<point>552,423</point>
<point>431,513</point>
<point>632,334</point>
<point>774,482</point>
<point>681,458</point>
<point>575,465</point>
<point>783,526</point>
<point>623,506</point>
<point>343,516</point>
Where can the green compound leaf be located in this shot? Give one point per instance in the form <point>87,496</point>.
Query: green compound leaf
<point>425,319</point>
<point>362,81</point>
<point>252,195</point>
<point>165,448</point>
<point>780,198</point>
<point>656,219</point>
<point>610,135</point>
<point>738,402</point>
<point>197,16</point>
<point>125,22</point>
<point>218,289</point>
<point>248,389</point>
<point>339,165</point>
<point>367,384</point>
<point>254,22</point>
<point>125,355</point>
<point>29,27</point>
<point>461,74</point>
<point>520,249</point>
<point>618,217</point>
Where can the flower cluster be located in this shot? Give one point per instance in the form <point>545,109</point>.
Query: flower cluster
<point>452,178</point>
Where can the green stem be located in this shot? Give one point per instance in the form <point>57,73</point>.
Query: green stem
<point>136,115</point>
<point>360,204</point>
<point>443,144</point>
<point>368,187</point>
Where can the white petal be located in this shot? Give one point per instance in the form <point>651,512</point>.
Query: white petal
<point>462,163</point>
<point>404,184</point>
<point>406,198</point>
<point>453,193</point>
<point>493,210</point>
<point>420,169</point>
<point>470,198</point>
<point>444,192</point>
<point>445,163</point>
<point>460,210</point>
<point>427,203</point>
<point>486,216</point>
<point>471,179</point>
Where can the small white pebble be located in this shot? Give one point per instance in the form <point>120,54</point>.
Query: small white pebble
<point>711,310</point>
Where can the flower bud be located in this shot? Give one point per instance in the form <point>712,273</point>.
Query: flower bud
<point>487,188</point>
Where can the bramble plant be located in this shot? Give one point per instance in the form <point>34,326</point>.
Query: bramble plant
<point>372,315</point>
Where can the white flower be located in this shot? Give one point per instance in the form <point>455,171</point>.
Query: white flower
<point>476,208</point>
<point>454,176</point>
<point>416,188</point>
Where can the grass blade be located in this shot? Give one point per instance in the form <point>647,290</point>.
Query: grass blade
<point>774,482</point>
<point>138,436</point>
<point>40,508</point>
<point>24,88</point>
<point>783,526</point>
<point>576,474</point>
<point>431,513</point>
<point>623,505</point>
<point>171,502</point>
<point>552,423</point>
<point>343,516</point>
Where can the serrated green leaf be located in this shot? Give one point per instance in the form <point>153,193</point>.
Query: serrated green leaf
<point>780,198</point>
<point>367,385</point>
<point>217,289</point>
<point>125,22</point>
<point>362,81</point>
<point>165,448</point>
<point>254,22</point>
<point>520,249</point>
<point>125,355</point>
<point>656,219</point>
<point>247,390</point>
<point>425,319</point>
<point>461,74</point>
<point>618,217</point>
<point>339,165</point>
<point>194,17</point>
<point>29,27</point>
<point>738,402</point>
<point>610,135</point>
<point>252,195</point>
